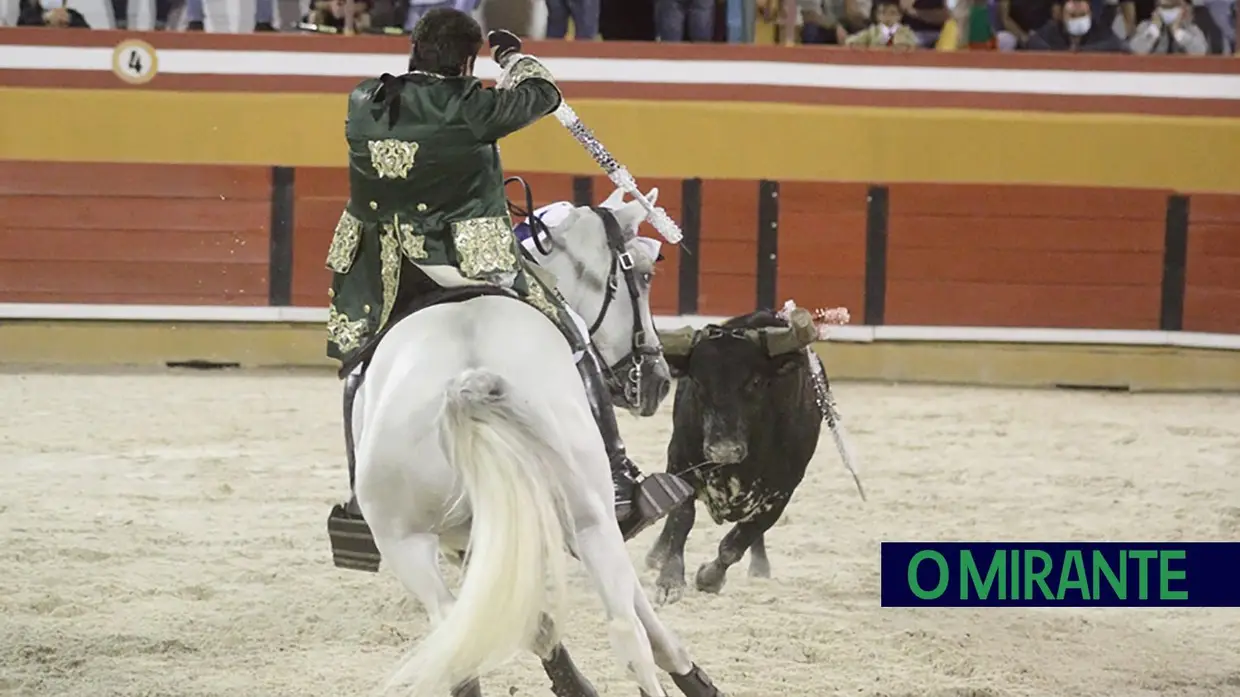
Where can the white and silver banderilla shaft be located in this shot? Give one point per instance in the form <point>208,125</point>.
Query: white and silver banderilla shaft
<point>616,172</point>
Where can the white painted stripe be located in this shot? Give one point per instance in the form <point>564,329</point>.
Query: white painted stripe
<point>847,333</point>
<point>674,72</point>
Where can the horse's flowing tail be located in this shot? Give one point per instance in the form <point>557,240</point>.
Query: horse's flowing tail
<point>515,566</point>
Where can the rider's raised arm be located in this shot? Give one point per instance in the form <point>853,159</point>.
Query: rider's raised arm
<point>525,93</point>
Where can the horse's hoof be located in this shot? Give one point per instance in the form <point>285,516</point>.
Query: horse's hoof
<point>760,569</point>
<point>711,577</point>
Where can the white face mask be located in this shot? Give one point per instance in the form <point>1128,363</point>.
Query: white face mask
<point>888,30</point>
<point>52,4</point>
<point>1078,26</point>
<point>1169,14</point>
<point>951,5</point>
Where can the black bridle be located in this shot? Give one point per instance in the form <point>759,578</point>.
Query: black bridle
<point>625,376</point>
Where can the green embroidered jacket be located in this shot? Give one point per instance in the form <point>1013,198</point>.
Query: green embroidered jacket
<point>426,187</point>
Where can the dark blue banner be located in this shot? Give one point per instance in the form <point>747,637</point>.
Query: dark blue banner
<point>1060,574</point>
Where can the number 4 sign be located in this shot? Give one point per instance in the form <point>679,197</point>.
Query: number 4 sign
<point>134,61</point>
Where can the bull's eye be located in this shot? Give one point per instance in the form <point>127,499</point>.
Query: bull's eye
<point>754,382</point>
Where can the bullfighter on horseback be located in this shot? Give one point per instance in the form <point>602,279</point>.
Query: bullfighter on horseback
<point>427,217</point>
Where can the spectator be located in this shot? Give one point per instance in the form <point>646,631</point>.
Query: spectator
<point>1170,30</point>
<point>120,13</point>
<point>1023,18</point>
<point>926,18</point>
<point>49,13</point>
<point>332,13</point>
<point>1132,12</point>
<point>1075,31</point>
<point>1221,14</point>
<point>677,19</point>
<point>195,15</point>
<point>627,20</point>
<point>888,32</point>
<point>970,28</point>
<point>585,18</point>
<point>831,21</point>
<point>417,8</point>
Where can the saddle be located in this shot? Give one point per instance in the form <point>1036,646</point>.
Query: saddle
<point>417,292</point>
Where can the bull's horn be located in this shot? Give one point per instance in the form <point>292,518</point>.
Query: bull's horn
<point>799,333</point>
<point>678,342</point>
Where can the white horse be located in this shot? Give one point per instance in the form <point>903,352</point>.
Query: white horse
<point>474,433</point>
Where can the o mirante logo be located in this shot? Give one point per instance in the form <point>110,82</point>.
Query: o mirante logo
<point>1046,574</point>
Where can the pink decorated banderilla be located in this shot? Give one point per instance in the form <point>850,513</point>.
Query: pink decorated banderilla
<point>824,319</point>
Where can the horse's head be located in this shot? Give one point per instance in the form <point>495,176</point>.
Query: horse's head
<point>604,270</point>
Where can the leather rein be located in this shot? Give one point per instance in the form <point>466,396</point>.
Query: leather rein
<point>625,377</point>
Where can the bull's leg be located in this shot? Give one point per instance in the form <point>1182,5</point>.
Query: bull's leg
<point>658,554</point>
<point>712,575</point>
<point>759,565</point>
<point>468,689</point>
<point>671,584</point>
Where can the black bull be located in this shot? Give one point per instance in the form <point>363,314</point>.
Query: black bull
<point>745,426</point>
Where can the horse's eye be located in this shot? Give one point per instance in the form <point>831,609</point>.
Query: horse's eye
<point>647,278</point>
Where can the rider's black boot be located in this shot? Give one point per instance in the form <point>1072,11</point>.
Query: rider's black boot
<point>639,501</point>
<point>351,385</point>
<point>353,546</point>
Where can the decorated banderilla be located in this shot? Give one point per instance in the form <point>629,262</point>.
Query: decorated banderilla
<point>616,172</point>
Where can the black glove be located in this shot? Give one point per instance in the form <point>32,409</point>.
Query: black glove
<point>503,43</point>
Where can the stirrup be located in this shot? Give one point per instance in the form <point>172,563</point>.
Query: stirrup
<point>353,545</point>
<point>657,495</point>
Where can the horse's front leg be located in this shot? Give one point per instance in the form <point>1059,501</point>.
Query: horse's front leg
<point>712,575</point>
<point>671,656</point>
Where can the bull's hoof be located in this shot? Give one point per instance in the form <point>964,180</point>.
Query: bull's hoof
<point>759,568</point>
<point>711,577</point>
<point>670,587</point>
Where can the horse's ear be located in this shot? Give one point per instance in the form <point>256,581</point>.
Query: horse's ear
<point>630,216</point>
<point>615,200</point>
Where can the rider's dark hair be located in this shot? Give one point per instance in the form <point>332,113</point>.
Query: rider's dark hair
<point>443,40</point>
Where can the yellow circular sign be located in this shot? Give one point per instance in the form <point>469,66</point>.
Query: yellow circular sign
<point>135,61</point>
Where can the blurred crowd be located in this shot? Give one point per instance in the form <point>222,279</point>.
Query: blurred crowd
<point>1194,27</point>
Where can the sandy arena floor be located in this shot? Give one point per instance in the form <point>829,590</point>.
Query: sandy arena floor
<point>163,535</point>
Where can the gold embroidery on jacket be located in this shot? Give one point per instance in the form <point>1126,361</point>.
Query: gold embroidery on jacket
<point>526,68</point>
<point>392,159</point>
<point>485,248</point>
<point>347,334</point>
<point>538,299</point>
<point>389,273</point>
<point>411,243</point>
<point>343,248</point>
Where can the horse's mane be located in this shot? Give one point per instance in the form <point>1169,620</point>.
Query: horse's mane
<point>759,319</point>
